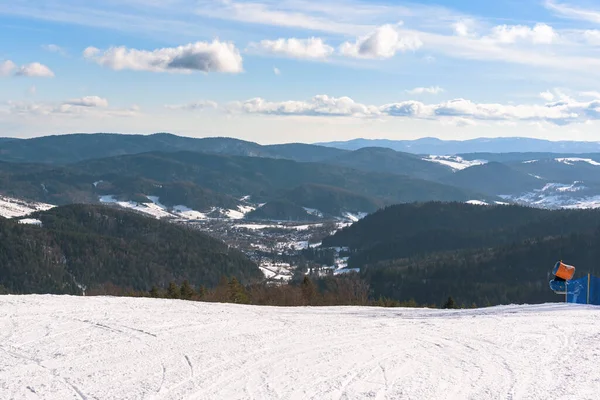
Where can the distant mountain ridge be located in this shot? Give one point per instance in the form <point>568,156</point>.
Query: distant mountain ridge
<point>77,147</point>
<point>204,181</point>
<point>216,172</point>
<point>436,146</point>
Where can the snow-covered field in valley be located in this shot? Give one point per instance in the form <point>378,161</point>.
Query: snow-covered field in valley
<point>12,208</point>
<point>61,347</point>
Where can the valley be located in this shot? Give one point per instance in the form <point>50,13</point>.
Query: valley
<point>285,207</point>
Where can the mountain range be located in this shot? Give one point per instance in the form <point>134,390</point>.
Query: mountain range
<point>417,231</point>
<point>231,177</point>
<point>480,145</point>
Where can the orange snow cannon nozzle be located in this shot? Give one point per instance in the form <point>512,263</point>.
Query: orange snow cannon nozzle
<point>563,270</point>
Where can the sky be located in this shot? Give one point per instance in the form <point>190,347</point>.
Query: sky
<point>279,71</point>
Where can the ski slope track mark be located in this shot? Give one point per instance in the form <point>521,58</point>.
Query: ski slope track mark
<point>55,347</point>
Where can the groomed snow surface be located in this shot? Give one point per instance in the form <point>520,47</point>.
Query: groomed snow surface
<point>61,347</point>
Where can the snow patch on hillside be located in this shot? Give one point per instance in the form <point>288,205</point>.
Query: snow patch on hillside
<point>63,347</point>
<point>149,208</point>
<point>355,217</point>
<point>454,162</point>
<point>239,213</point>
<point>30,221</point>
<point>234,214</point>
<point>313,211</point>
<point>477,202</point>
<point>572,160</point>
<point>158,210</point>
<point>188,213</point>
<point>558,195</point>
<point>13,208</point>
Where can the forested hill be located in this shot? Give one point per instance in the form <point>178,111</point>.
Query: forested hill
<point>406,230</point>
<point>481,254</point>
<point>202,181</point>
<point>101,248</point>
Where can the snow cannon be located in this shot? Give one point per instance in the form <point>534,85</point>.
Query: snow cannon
<point>562,273</point>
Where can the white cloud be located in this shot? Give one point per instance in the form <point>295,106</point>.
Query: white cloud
<point>466,27</point>
<point>593,94</point>
<point>339,19</point>
<point>7,67</point>
<point>428,90</point>
<point>320,105</point>
<point>592,36</point>
<point>276,71</point>
<point>91,52</point>
<point>88,101</point>
<point>200,56</point>
<point>32,90</point>
<point>289,14</point>
<point>547,95</point>
<point>195,106</point>
<point>459,112</point>
<point>572,12</point>
<point>461,29</point>
<point>35,70</point>
<point>539,34</point>
<point>384,42</point>
<point>311,48</point>
<point>460,122</point>
<point>90,106</point>
<point>53,48</point>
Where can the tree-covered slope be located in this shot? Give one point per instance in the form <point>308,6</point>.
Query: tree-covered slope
<point>494,179</point>
<point>331,200</point>
<point>481,254</point>
<point>201,181</point>
<point>379,159</point>
<point>266,177</point>
<point>515,273</point>
<point>98,247</point>
<point>281,210</point>
<point>408,230</point>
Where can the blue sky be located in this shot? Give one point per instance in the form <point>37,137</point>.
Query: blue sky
<point>276,71</point>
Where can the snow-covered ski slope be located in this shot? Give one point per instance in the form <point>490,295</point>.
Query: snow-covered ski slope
<point>60,347</point>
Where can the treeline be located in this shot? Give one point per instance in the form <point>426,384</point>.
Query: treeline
<point>342,290</point>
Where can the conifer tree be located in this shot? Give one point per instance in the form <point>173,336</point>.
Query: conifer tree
<point>237,292</point>
<point>187,291</point>
<point>449,303</point>
<point>308,290</point>
<point>173,291</point>
<point>221,292</point>
<point>154,292</point>
<point>202,292</point>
